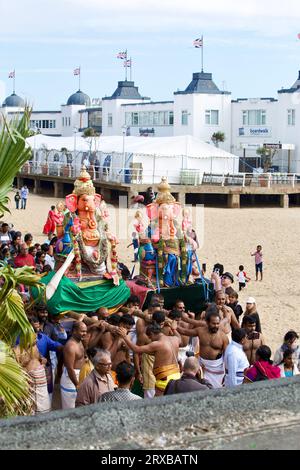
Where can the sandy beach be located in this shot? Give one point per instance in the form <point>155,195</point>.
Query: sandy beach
<point>229,236</point>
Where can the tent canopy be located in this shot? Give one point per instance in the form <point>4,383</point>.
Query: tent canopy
<point>186,145</point>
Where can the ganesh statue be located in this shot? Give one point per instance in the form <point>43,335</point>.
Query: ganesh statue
<point>86,232</point>
<point>162,251</point>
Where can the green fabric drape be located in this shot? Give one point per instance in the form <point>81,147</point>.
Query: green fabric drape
<point>85,297</point>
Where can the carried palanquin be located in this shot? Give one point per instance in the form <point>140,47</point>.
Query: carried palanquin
<point>167,250</point>
<point>82,280</point>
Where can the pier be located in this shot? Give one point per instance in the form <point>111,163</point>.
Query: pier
<point>230,190</point>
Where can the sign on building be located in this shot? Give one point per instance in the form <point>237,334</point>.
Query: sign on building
<point>255,131</point>
<point>273,146</point>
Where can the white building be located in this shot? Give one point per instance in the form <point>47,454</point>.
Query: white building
<point>200,110</point>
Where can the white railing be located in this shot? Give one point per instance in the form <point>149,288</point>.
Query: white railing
<point>181,177</point>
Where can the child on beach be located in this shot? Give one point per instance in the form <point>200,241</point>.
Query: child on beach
<point>233,299</point>
<point>242,277</point>
<point>135,244</point>
<point>258,262</point>
<point>17,199</point>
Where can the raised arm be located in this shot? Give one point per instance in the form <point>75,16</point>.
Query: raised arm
<point>147,348</point>
<point>187,331</point>
<point>186,318</point>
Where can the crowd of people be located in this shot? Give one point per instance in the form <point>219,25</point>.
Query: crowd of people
<point>137,353</point>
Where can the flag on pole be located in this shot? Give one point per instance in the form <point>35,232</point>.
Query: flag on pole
<point>198,42</point>
<point>77,71</point>
<point>127,63</point>
<point>122,55</point>
<point>11,74</point>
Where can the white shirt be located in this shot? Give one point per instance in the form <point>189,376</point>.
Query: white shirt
<point>50,260</point>
<point>241,277</point>
<point>235,363</point>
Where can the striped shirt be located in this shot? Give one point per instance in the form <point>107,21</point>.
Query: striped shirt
<point>120,394</point>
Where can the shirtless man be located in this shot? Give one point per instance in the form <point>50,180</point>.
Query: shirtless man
<point>187,343</point>
<point>165,351</point>
<point>73,361</point>
<point>119,349</point>
<point>144,368</point>
<point>213,342</point>
<point>227,316</point>
<point>253,339</point>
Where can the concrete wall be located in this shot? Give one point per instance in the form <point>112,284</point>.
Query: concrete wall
<point>110,425</point>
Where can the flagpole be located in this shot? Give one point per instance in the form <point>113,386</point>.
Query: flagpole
<point>126,66</point>
<point>79,76</point>
<point>202,54</point>
<point>130,69</point>
<point>14,82</point>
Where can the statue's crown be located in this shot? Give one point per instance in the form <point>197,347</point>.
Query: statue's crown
<point>164,196</point>
<point>84,184</point>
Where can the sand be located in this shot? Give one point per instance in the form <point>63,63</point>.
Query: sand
<point>229,236</point>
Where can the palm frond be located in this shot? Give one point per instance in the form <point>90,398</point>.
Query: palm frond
<point>15,391</point>
<point>13,320</point>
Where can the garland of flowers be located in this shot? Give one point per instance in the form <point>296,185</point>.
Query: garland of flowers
<point>114,260</point>
<point>77,257</point>
<point>183,270</point>
<point>160,257</point>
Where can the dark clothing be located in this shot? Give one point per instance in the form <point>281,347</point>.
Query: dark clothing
<point>48,329</point>
<point>242,285</point>
<point>17,200</point>
<point>258,268</point>
<point>237,309</point>
<point>187,383</point>
<point>256,316</point>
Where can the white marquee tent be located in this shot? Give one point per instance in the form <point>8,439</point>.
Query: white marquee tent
<point>153,156</point>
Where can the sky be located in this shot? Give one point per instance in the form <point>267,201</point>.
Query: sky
<point>250,47</point>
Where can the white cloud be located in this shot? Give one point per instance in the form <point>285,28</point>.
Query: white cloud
<point>96,17</point>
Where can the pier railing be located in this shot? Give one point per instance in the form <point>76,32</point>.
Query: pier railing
<point>182,177</point>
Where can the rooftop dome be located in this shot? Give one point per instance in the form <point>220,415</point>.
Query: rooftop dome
<point>14,101</point>
<point>79,98</point>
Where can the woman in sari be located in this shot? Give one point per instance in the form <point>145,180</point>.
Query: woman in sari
<point>50,225</point>
<point>263,368</point>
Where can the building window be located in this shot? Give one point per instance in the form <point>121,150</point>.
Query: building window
<point>135,119</point>
<point>254,117</point>
<point>212,117</point>
<point>95,119</point>
<point>109,120</point>
<point>291,117</point>
<point>150,118</point>
<point>63,121</point>
<point>128,120</point>
<point>184,118</point>
<point>69,121</point>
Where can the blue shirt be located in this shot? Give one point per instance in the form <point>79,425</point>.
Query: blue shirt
<point>45,344</point>
<point>24,193</point>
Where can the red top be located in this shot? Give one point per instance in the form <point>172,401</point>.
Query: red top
<point>21,260</point>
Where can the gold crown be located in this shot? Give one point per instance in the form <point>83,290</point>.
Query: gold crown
<point>84,184</point>
<point>164,196</point>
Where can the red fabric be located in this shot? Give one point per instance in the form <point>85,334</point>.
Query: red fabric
<point>21,260</point>
<point>50,225</point>
<point>265,368</point>
<point>140,291</point>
